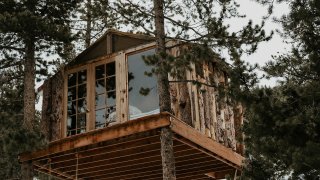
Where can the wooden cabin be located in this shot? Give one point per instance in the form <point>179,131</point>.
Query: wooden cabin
<point>101,126</point>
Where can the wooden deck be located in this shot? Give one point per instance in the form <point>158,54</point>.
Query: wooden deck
<point>131,150</point>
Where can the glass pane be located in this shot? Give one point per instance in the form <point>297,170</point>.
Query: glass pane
<point>111,83</point>
<point>71,132</point>
<point>100,86</point>
<point>81,121</point>
<point>143,95</point>
<point>76,104</point>
<point>111,69</point>
<point>100,100</point>
<point>82,106</point>
<point>82,76</point>
<point>100,73</point>
<point>71,108</point>
<point>100,118</point>
<point>111,99</point>
<point>71,122</point>
<point>82,91</point>
<point>72,79</point>
<point>111,114</point>
<point>72,94</point>
<point>82,130</point>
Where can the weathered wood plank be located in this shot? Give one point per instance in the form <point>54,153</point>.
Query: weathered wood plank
<point>52,109</point>
<point>42,168</point>
<point>120,130</point>
<point>205,142</point>
<point>121,88</point>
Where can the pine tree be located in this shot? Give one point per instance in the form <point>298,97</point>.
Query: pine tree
<point>29,29</point>
<point>92,19</point>
<point>283,123</point>
<point>200,23</point>
<point>14,137</point>
<point>35,26</point>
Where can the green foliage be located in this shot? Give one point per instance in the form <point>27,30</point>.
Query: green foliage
<point>91,20</point>
<point>14,138</point>
<point>25,24</point>
<point>44,22</point>
<point>283,123</point>
<point>200,23</point>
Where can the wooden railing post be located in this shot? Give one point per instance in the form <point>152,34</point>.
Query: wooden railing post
<point>168,164</point>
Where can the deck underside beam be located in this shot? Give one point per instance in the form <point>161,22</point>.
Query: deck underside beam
<point>132,150</point>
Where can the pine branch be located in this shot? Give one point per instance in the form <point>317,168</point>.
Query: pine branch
<point>8,65</point>
<point>11,48</point>
<point>132,21</point>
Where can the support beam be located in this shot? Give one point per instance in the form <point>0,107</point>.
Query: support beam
<point>168,164</point>
<point>27,170</point>
<point>143,124</point>
<point>189,134</point>
<point>42,168</point>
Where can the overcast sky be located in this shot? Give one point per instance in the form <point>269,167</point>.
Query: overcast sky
<point>255,12</point>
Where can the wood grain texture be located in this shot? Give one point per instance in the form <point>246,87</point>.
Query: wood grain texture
<point>120,130</point>
<point>52,109</point>
<point>203,141</point>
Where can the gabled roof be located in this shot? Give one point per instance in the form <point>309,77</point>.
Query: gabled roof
<point>112,41</point>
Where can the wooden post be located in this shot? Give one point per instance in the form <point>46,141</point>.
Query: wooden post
<point>27,171</point>
<point>168,164</point>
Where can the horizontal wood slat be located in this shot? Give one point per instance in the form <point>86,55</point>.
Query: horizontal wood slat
<point>203,141</point>
<point>131,150</point>
<point>120,130</point>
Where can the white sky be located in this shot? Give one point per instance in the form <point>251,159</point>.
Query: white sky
<point>255,12</point>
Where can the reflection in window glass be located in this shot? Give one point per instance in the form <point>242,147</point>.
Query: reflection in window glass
<point>105,95</point>
<point>143,94</point>
<point>76,105</point>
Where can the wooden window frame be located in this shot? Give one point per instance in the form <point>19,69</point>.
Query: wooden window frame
<point>121,69</point>
<point>90,98</point>
<point>122,79</point>
<point>92,90</point>
<point>134,51</point>
<point>65,99</point>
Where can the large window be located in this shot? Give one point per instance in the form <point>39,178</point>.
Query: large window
<point>105,95</point>
<point>143,94</point>
<point>77,108</point>
<point>92,96</point>
<point>102,106</point>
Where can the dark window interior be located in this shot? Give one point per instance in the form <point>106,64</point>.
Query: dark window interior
<point>77,106</point>
<point>105,95</point>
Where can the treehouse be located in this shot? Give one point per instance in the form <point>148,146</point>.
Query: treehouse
<point>102,125</point>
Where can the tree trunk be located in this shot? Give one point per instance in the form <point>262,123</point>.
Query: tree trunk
<point>89,22</point>
<point>168,164</point>
<point>163,82</point>
<point>29,84</point>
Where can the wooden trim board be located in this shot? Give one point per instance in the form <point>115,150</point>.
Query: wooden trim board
<point>120,130</point>
<point>202,140</point>
<point>189,135</point>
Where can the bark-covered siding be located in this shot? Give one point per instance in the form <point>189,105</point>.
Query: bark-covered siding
<point>202,108</point>
<point>52,107</point>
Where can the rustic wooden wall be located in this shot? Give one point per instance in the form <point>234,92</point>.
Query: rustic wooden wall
<point>203,108</point>
<point>52,107</point>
